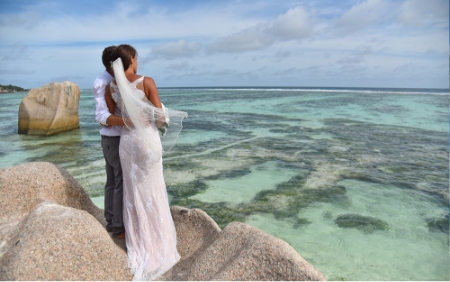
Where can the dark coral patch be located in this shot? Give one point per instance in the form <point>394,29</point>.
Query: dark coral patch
<point>437,224</point>
<point>367,224</point>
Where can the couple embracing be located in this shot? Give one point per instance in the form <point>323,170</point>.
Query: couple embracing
<point>133,123</point>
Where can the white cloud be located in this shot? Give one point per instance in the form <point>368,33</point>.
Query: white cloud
<point>286,72</point>
<point>234,75</point>
<point>122,23</point>
<point>174,50</point>
<point>363,50</point>
<point>418,12</point>
<point>179,66</point>
<point>253,38</point>
<point>350,60</point>
<point>282,54</point>
<point>361,16</point>
<point>293,25</point>
<point>225,72</point>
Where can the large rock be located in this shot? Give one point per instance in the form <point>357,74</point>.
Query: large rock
<point>49,110</point>
<point>51,230</point>
<point>24,186</point>
<point>243,252</point>
<point>238,252</point>
<point>61,243</point>
<point>196,231</point>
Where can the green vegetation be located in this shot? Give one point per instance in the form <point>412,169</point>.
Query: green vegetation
<point>11,88</point>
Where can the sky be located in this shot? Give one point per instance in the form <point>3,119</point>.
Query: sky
<point>198,43</point>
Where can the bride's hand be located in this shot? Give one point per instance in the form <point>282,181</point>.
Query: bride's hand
<point>163,128</point>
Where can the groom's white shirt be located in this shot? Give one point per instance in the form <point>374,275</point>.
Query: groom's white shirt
<point>101,109</point>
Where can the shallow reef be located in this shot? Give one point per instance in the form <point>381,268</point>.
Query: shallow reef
<point>367,224</point>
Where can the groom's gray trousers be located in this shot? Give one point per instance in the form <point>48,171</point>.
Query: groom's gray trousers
<point>114,185</point>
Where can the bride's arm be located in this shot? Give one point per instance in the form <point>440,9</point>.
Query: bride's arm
<point>112,119</point>
<point>151,91</point>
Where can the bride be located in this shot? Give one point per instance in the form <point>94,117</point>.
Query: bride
<point>150,231</point>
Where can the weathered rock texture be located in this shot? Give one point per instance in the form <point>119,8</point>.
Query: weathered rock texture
<point>49,110</point>
<point>62,243</point>
<point>50,230</point>
<point>238,252</point>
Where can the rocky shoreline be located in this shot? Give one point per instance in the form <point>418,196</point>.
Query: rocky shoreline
<point>7,91</point>
<point>51,230</point>
<point>11,89</point>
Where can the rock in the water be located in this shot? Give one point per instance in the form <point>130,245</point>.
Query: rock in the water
<point>49,110</point>
<point>51,230</point>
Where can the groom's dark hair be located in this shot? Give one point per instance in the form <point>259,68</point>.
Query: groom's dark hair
<point>107,56</point>
<point>125,52</point>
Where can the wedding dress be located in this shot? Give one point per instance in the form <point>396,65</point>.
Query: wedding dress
<point>150,231</point>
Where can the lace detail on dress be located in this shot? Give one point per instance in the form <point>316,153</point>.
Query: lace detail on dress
<point>115,93</point>
<point>150,232</point>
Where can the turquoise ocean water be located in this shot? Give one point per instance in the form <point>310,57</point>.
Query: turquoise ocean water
<point>356,180</point>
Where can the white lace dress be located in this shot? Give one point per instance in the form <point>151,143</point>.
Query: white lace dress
<point>150,231</point>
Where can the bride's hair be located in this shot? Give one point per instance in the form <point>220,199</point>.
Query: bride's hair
<point>125,52</point>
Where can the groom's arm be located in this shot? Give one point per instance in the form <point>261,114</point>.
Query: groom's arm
<point>102,114</point>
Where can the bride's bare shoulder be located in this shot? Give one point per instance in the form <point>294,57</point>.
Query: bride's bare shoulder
<point>149,83</point>
<point>148,79</point>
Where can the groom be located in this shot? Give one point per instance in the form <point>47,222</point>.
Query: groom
<point>110,133</point>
